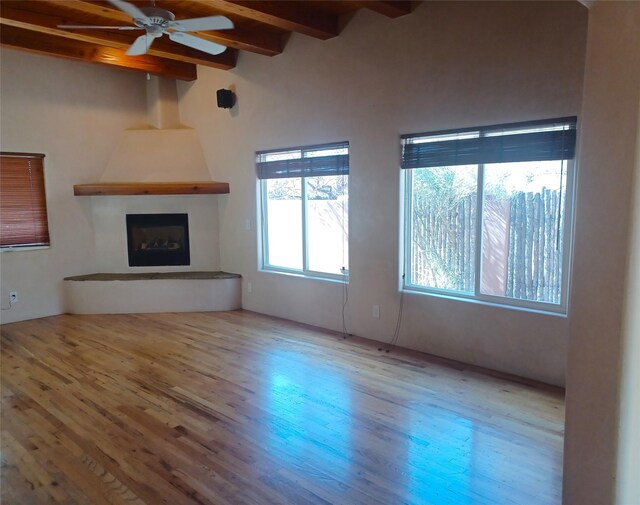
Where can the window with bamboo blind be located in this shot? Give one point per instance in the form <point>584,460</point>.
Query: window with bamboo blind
<point>305,210</point>
<point>23,205</point>
<point>488,213</point>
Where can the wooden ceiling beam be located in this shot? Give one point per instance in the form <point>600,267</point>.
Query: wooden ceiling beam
<point>267,44</point>
<point>261,27</point>
<point>48,25</point>
<point>260,42</point>
<point>392,8</point>
<point>290,16</point>
<point>49,45</point>
<point>107,11</point>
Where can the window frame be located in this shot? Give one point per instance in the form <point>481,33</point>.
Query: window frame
<point>264,264</point>
<point>477,296</point>
<point>38,204</point>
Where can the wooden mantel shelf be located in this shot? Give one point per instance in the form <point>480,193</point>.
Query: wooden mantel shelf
<point>151,188</point>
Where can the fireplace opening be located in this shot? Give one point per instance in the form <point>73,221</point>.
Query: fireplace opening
<point>158,240</point>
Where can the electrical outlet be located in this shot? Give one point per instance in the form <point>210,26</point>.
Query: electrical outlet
<point>376,311</point>
<point>13,297</point>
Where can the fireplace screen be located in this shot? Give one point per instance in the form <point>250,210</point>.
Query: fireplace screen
<point>158,239</point>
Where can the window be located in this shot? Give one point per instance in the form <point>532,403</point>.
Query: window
<point>305,199</point>
<point>488,213</point>
<point>23,206</point>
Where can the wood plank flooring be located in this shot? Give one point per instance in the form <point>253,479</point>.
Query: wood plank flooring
<point>237,408</point>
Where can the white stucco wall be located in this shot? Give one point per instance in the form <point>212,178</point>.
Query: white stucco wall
<point>447,65</point>
<point>73,113</point>
<point>77,115</point>
<point>607,160</point>
<point>628,483</point>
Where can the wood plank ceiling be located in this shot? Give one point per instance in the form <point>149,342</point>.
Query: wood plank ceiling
<point>261,27</point>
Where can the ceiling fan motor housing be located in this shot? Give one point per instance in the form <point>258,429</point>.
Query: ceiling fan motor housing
<point>155,17</point>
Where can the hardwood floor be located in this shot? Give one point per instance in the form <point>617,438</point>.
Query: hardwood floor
<point>237,408</point>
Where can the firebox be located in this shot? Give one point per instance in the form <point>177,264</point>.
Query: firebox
<point>158,240</point>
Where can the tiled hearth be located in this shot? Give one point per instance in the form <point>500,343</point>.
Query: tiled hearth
<point>152,292</point>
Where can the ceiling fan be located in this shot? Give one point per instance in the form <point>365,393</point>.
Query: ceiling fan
<point>156,22</point>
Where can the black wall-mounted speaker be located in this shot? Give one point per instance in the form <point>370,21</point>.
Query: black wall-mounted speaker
<point>226,98</point>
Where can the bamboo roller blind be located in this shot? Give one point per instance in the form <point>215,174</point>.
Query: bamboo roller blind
<point>23,206</point>
<point>552,139</point>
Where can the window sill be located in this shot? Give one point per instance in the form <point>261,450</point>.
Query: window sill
<point>339,279</point>
<point>558,312</point>
<point>29,248</point>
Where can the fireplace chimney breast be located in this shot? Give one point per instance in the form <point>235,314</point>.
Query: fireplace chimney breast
<point>165,150</point>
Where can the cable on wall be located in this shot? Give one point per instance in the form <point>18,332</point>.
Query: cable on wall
<point>396,333</point>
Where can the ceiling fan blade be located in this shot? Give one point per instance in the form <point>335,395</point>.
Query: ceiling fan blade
<point>202,24</point>
<point>140,46</point>
<point>96,27</point>
<point>130,9</point>
<point>197,43</point>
